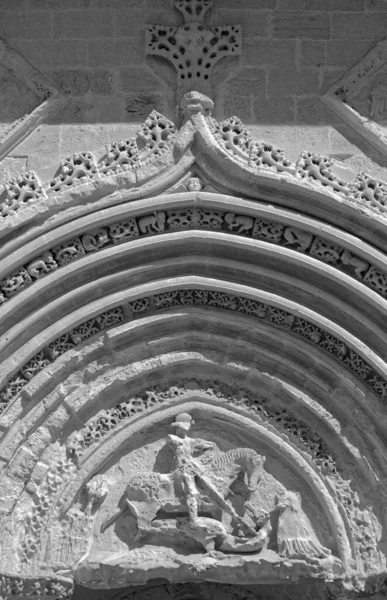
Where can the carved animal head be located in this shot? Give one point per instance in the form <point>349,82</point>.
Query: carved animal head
<point>161,216</point>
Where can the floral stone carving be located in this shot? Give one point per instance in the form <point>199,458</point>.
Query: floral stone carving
<point>159,143</point>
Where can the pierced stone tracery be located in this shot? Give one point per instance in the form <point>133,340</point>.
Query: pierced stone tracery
<point>158,136</point>
<point>193,49</point>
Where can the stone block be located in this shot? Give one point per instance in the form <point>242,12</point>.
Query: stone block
<point>284,82</point>
<point>130,23</point>
<point>343,53</point>
<point>274,110</point>
<point>311,110</point>
<point>10,491</point>
<point>57,420</point>
<point>26,26</point>
<point>240,105</point>
<point>101,82</point>
<point>377,5</point>
<point>330,76</point>
<point>112,53</point>
<point>294,139</point>
<point>134,79</point>
<point>13,5</point>
<point>138,106</point>
<point>54,53</point>
<point>290,4</point>
<point>305,25</point>
<point>248,5</point>
<point>85,137</point>
<point>77,110</point>
<point>37,474</point>
<point>42,147</point>
<point>269,52</point>
<point>84,25</point>
<point>253,22</point>
<point>312,53</point>
<point>23,463</point>
<point>339,142</point>
<point>120,5</point>
<point>107,109</point>
<point>72,82</point>
<point>248,80</point>
<point>12,167</point>
<point>59,4</point>
<point>38,440</point>
<point>353,5</point>
<point>348,26</point>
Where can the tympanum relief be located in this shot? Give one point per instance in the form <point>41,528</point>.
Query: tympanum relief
<point>184,506</point>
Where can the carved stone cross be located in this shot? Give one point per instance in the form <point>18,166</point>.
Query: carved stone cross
<point>193,48</point>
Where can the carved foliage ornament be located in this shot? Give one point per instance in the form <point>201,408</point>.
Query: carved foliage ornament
<point>159,136</point>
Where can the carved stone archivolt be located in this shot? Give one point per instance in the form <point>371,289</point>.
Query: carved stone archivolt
<point>171,419</point>
<point>172,299</point>
<point>194,218</point>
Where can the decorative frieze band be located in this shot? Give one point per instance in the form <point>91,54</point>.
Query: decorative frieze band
<point>193,218</point>
<point>200,297</point>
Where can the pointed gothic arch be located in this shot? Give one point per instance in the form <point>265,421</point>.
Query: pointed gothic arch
<point>193,270</point>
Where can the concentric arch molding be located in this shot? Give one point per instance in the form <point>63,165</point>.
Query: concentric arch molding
<point>266,308</point>
<point>319,241</point>
<point>191,269</point>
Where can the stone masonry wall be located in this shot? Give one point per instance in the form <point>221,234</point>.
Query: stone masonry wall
<point>94,51</point>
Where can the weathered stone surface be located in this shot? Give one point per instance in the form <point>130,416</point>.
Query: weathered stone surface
<point>294,24</point>
<point>192,323</point>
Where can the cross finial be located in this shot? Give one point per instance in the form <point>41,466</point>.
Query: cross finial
<point>193,49</point>
<point>193,10</point>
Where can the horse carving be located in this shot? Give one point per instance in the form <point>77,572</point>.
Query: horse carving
<point>200,481</point>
